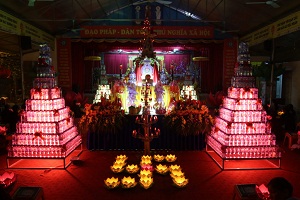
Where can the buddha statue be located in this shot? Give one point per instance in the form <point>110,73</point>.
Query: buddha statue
<point>148,79</point>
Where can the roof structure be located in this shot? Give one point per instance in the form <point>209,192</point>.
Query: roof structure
<point>236,18</point>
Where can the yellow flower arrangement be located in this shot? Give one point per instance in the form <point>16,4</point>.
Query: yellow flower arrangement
<point>190,117</point>
<point>103,116</point>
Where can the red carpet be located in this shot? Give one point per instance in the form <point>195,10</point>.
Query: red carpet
<point>206,180</point>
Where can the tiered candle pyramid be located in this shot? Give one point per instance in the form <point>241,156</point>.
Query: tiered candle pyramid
<point>242,129</point>
<point>46,129</point>
<point>103,91</point>
<point>188,92</point>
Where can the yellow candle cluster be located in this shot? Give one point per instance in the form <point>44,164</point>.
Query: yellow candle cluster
<point>128,182</point>
<point>122,157</point>
<point>159,158</point>
<point>171,158</point>
<point>146,157</point>
<point>178,176</point>
<point>145,175</point>
<point>119,164</point>
<point>112,182</point>
<point>146,160</point>
<point>174,167</point>
<point>132,169</point>
<point>180,181</point>
<point>146,181</point>
<point>162,169</point>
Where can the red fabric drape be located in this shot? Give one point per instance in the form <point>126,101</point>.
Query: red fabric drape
<point>138,72</point>
<point>155,74</point>
<point>113,61</point>
<point>176,59</point>
<point>212,70</point>
<point>78,72</point>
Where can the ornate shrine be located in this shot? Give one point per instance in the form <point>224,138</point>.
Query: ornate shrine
<point>147,71</point>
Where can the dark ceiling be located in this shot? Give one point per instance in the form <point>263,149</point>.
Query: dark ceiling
<point>238,17</point>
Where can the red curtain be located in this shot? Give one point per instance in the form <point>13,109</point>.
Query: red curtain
<point>176,59</point>
<point>82,70</point>
<point>78,71</point>
<point>211,71</point>
<point>113,62</point>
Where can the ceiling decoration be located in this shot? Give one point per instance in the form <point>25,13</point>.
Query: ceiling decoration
<point>31,2</point>
<point>272,3</point>
<point>74,29</point>
<point>54,16</point>
<point>152,1</point>
<point>241,16</point>
<point>224,28</point>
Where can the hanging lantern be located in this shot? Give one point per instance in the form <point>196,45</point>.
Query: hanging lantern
<point>92,58</point>
<point>200,58</point>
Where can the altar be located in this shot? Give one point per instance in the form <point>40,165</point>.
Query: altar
<point>123,140</point>
<point>141,82</point>
<point>146,84</point>
<point>167,97</point>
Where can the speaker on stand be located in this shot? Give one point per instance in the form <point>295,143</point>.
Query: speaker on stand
<point>25,42</point>
<point>268,45</point>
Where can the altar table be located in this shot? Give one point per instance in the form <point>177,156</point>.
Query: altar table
<point>123,140</point>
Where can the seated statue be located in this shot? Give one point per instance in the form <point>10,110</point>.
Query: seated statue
<point>148,79</point>
<point>145,68</point>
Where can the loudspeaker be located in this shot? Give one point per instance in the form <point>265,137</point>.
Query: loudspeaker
<point>25,42</point>
<point>268,45</point>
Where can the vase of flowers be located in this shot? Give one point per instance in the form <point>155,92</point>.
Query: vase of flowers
<point>134,110</point>
<point>104,116</point>
<point>190,117</point>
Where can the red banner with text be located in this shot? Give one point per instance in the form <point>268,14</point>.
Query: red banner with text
<point>64,63</point>
<point>186,32</point>
<point>229,60</point>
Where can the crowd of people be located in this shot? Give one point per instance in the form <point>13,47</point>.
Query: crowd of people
<point>9,117</point>
<point>280,189</point>
<point>284,119</point>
